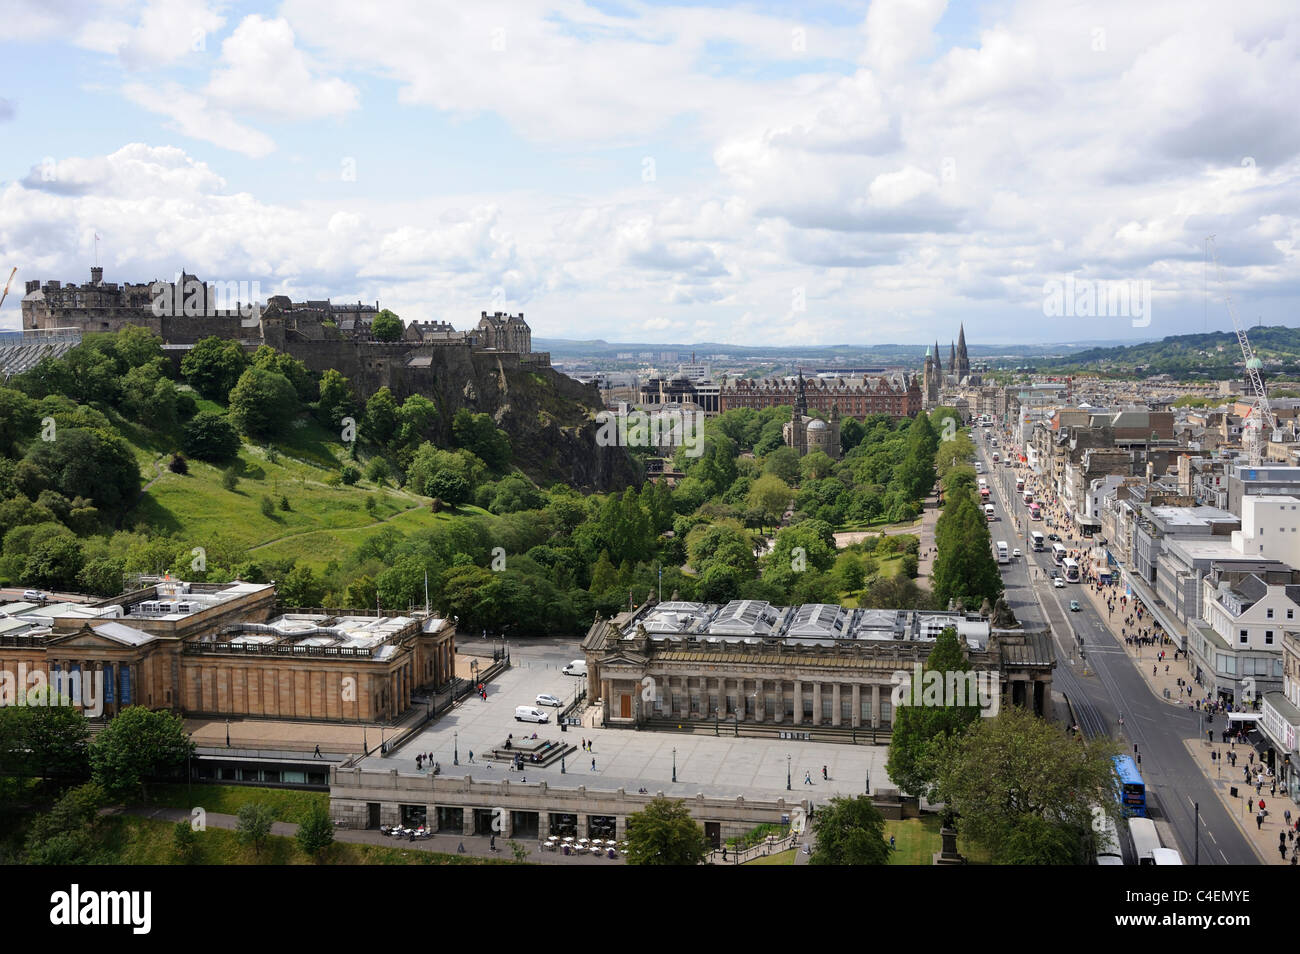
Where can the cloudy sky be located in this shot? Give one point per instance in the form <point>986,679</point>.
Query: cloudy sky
<point>755,173</point>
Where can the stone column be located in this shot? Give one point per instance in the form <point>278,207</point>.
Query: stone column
<point>798,702</point>
<point>835,704</point>
<point>875,705</point>
<point>760,703</point>
<point>817,703</point>
<point>467,821</point>
<point>722,698</point>
<point>543,825</point>
<point>584,824</point>
<point>857,705</point>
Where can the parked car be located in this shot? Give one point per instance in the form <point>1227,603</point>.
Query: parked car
<point>36,595</point>
<point>576,668</point>
<point>546,699</point>
<point>1074,606</point>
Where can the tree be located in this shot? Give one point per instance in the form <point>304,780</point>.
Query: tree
<point>254,825</point>
<point>213,367</point>
<point>378,471</point>
<point>68,834</point>
<point>263,403</point>
<point>380,422</point>
<point>919,725</point>
<point>849,831</point>
<point>56,737</point>
<point>336,400</point>
<point>450,487</point>
<point>316,831</point>
<point>664,833</point>
<point>964,568</point>
<point>1016,778</point>
<point>138,743</point>
<point>18,420</point>
<point>92,463</point>
<point>770,494</point>
<point>185,842</point>
<point>784,462</point>
<point>386,326</point>
<point>53,563</point>
<point>301,588</point>
<point>293,370</point>
<point>479,434</point>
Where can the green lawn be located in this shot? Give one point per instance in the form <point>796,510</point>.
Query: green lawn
<point>917,840</point>
<point>290,805</point>
<point>780,858</point>
<point>130,840</point>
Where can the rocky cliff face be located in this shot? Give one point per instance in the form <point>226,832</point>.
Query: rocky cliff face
<point>549,417</point>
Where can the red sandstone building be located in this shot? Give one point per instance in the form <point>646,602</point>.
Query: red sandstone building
<point>855,397</point>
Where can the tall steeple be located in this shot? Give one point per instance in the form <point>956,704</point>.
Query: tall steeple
<point>952,358</point>
<point>801,399</point>
<point>963,360</point>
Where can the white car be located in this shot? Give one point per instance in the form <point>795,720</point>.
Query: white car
<point>36,595</point>
<point>1059,583</point>
<point>1016,553</point>
<point>546,699</point>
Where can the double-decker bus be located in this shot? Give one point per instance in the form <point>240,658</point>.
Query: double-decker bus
<point>1146,841</point>
<point>984,494</point>
<point>1058,553</point>
<point>1004,555</point>
<point>988,512</point>
<point>1037,538</point>
<point>1132,792</point>
<point>1035,512</point>
<point>1020,484</point>
<point>1070,569</point>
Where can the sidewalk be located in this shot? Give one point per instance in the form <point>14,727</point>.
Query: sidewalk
<point>1144,657</point>
<point>1242,808</point>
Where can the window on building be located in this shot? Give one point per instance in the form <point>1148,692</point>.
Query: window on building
<point>1268,637</point>
<point>886,712</point>
<point>1270,614</point>
<point>826,706</point>
<point>1245,636</point>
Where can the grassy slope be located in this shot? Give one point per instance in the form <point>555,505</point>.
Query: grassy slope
<point>323,523</point>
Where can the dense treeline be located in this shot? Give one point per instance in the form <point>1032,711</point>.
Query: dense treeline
<point>530,559</point>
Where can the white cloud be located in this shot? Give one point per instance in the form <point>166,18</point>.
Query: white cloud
<point>263,72</point>
<point>192,115</point>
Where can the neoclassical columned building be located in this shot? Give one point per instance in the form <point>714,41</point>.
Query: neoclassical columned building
<point>806,668</point>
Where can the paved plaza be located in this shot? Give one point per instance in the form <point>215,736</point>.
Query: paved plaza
<point>720,766</point>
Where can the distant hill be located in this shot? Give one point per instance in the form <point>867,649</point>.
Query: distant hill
<point>566,349</point>
<point>1212,355</point>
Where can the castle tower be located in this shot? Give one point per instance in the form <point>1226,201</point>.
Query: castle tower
<point>952,358</point>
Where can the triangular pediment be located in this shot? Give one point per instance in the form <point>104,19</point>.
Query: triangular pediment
<point>86,639</point>
<point>624,657</point>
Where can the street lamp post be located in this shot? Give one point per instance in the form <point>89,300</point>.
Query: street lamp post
<point>787,774</point>
<point>455,752</point>
<point>674,765</point>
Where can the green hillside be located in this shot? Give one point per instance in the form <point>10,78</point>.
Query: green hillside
<point>1215,355</point>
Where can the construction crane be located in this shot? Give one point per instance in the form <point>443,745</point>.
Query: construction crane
<point>1261,414</point>
<point>5,293</point>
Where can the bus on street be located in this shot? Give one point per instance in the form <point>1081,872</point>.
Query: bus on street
<point>1037,538</point>
<point>988,512</point>
<point>1070,567</point>
<point>1035,512</point>
<point>1132,792</point>
<point>1146,842</point>
<point>1003,552</point>
<point>1058,553</point>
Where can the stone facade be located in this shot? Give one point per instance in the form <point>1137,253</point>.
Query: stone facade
<point>222,654</point>
<point>361,799</point>
<point>896,397</point>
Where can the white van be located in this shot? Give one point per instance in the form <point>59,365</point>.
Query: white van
<point>576,668</point>
<point>530,714</point>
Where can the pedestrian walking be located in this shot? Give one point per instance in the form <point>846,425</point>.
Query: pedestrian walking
<point>316,754</point>
<point>471,755</point>
<point>593,765</point>
<point>807,778</point>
